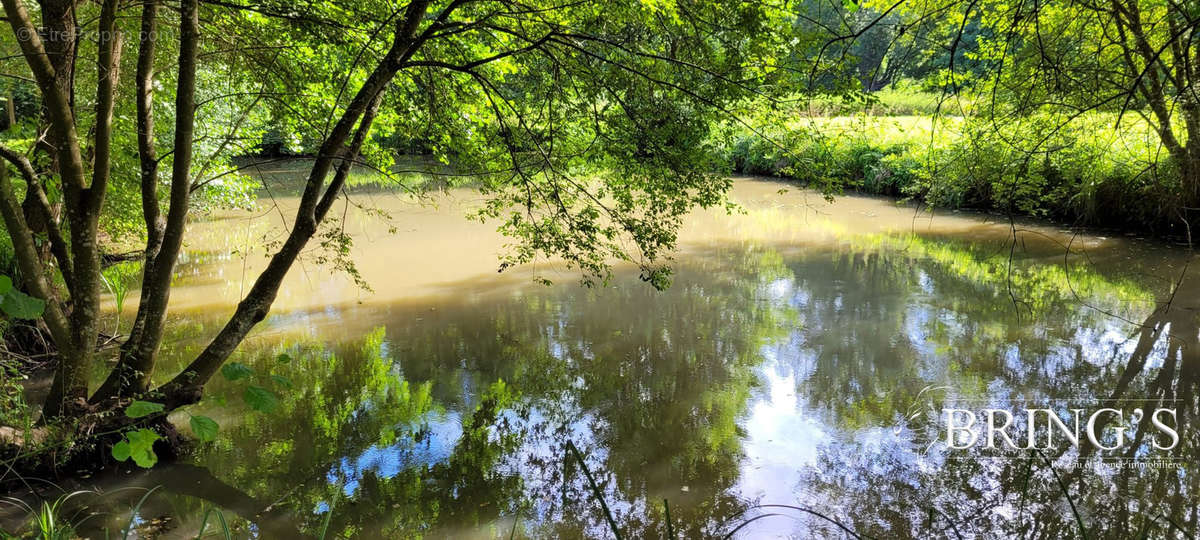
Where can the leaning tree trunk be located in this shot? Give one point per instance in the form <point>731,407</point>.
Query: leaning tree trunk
<point>187,387</point>
<point>75,332</point>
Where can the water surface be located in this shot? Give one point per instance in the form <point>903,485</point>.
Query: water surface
<point>794,372</point>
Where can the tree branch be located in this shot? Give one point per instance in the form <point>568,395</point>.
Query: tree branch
<point>58,246</point>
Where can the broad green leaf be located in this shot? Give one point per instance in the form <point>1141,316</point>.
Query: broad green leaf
<point>5,284</point>
<point>139,409</point>
<point>283,358</point>
<point>19,305</point>
<point>204,427</point>
<point>141,447</point>
<point>282,381</point>
<point>236,370</point>
<point>120,451</point>
<point>260,399</point>
<point>145,459</point>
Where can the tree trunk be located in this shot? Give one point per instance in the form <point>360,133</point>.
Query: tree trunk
<point>68,392</point>
<point>163,239</point>
<point>75,333</point>
<point>187,387</point>
<point>69,386</point>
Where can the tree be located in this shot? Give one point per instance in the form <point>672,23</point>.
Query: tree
<point>586,123</point>
<point>1067,59</point>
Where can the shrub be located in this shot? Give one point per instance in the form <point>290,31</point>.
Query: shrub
<point>1083,172</point>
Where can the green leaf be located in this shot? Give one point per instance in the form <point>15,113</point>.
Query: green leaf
<point>204,427</point>
<point>141,447</point>
<point>260,399</point>
<point>19,305</point>
<point>282,381</point>
<point>236,370</point>
<point>120,451</point>
<point>283,358</point>
<point>139,409</point>
<point>5,284</point>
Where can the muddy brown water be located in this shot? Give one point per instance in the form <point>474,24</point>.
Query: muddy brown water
<point>790,383</point>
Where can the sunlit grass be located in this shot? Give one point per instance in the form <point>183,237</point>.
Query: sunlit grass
<point>1098,169</point>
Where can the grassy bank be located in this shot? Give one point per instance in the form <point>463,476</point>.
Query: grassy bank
<point>1084,172</point>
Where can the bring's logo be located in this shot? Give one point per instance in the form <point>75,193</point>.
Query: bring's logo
<point>1104,428</point>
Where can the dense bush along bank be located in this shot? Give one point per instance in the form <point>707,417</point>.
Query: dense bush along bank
<point>1083,172</point>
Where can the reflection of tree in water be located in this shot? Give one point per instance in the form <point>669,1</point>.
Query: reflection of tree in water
<point>888,486</point>
<point>1163,370</point>
<point>452,418</point>
<point>650,386</point>
<point>348,435</point>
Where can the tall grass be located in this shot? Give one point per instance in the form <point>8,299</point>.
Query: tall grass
<point>608,515</point>
<point>117,279</point>
<point>61,518</point>
<point>224,526</point>
<point>49,521</point>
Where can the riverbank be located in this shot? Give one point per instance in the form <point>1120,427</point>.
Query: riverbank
<point>1083,173</point>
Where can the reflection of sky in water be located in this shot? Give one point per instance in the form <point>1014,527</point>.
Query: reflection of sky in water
<point>865,330</point>
<point>388,461</point>
<point>785,439</point>
<point>787,442</point>
<point>782,438</point>
<point>548,450</point>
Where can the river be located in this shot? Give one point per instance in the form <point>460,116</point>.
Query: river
<point>790,382</point>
